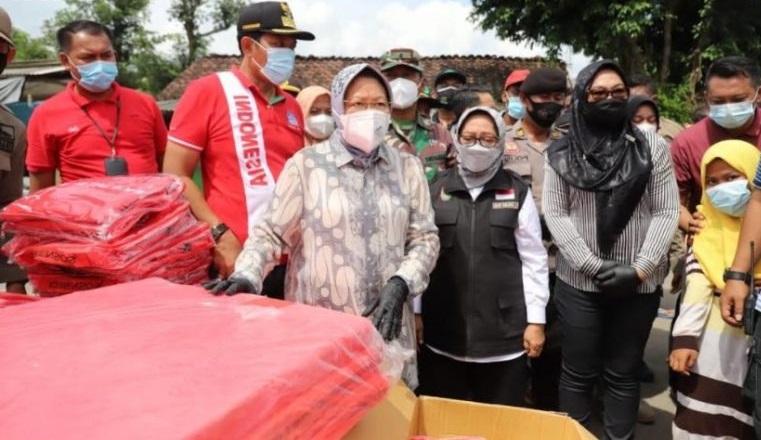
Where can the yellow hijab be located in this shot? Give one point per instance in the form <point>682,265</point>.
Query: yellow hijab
<point>715,245</point>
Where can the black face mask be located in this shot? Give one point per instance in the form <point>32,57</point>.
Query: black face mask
<point>609,113</point>
<point>544,113</point>
<point>3,61</point>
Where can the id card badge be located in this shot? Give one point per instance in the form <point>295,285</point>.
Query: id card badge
<point>116,166</point>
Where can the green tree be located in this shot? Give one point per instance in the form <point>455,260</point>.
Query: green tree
<point>672,40</point>
<point>201,19</point>
<point>28,48</point>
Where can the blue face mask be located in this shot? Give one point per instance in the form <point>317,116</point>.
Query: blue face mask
<point>731,198</point>
<point>515,107</point>
<point>732,115</point>
<point>279,65</point>
<point>97,76</point>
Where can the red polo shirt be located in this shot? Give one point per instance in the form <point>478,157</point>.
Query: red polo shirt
<point>61,136</point>
<point>688,148</point>
<point>202,122</point>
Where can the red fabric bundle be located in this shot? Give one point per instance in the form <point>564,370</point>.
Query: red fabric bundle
<point>152,359</point>
<point>98,232</point>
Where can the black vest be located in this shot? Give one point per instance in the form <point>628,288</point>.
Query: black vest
<point>474,305</point>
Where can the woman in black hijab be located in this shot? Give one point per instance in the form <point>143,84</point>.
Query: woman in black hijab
<point>611,203</point>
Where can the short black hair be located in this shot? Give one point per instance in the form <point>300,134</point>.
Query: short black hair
<point>732,66</point>
<point>255,35</point>
<point>463,100</point>
<point>87,26</point>
<point>642,80</point>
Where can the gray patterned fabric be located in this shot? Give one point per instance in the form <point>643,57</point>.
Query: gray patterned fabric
<point>347,231</point>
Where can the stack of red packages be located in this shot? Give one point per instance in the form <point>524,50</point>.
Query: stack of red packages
<point>97,232</point>
<point>156,360</point>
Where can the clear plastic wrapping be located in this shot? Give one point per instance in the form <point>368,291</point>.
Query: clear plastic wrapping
<point>160,360</point>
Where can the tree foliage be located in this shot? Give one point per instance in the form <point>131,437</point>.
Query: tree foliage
<point>672,40</point>
<point>28,48</point>
<point>201,19</point>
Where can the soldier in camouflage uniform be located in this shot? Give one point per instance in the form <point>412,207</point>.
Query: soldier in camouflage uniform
<point>429,141</point>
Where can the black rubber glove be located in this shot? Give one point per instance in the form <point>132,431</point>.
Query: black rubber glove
<point>606,266</point>
<point>387,310</point>
<point>230,286</point>
<point>620,279</point>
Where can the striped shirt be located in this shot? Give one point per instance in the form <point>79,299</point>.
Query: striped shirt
<point>570,214</point>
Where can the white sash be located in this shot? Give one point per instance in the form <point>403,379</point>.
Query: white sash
<point>258,183</point>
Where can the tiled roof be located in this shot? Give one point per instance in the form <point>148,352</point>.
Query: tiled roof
<point>487,70</point>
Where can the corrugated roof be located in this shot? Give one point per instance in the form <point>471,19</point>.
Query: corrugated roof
<point>34,68</point>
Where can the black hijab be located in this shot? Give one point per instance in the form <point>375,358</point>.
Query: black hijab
<point>637,101</point>
<point>611,160</point>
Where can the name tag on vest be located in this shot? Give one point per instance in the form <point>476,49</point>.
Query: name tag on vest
<point>505,205</point>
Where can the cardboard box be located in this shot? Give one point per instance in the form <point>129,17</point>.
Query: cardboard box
<point>402,415</point>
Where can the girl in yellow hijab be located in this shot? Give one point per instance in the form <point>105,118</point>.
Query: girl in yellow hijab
<point>709,354</point>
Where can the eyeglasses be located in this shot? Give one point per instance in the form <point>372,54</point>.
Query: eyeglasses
<point>484,141</point>
<point>357,106</point>
<point>601,94</point>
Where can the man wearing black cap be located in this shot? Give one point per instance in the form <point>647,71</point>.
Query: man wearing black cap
<point>542,95</point>
<point>428,141</point>
<point>12,153</point>
<point>241,127</point>
<point>447,83</point>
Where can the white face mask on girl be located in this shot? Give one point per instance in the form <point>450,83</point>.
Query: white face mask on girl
<point>647,127</point>
<point>320,126</point>
<point>365,129</point>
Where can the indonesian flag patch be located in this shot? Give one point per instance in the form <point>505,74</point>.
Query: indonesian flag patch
<point>505,194</point>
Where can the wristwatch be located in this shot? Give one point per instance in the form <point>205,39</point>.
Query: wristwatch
<point>730,274</point>
<point>217,231</point>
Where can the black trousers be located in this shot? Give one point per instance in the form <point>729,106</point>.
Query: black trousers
<point>502,383</point>
<point>752,384</point>
<point>603,335</point>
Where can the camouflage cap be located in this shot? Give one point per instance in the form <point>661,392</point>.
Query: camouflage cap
<point>426,97</point>
<point>400,57</point>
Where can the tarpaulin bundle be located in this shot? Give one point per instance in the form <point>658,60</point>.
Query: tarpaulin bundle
<point>157,360</point>
<point>98,232</point>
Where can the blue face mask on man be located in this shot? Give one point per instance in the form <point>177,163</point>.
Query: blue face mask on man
<point>279,65</point>
<point>734,114</point>
<point>515,107</point>
<point>731,198</point>
<point>98,76</point>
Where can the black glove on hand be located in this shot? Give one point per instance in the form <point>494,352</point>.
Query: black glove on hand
<point>620,279</point>
<point>606,266</point>
<point>387,310</point>
<point>230,286</point>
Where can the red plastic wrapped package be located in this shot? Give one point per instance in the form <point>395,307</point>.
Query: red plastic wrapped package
<point>99,232</point>
<point>152,359</point>
<point>102,208</point>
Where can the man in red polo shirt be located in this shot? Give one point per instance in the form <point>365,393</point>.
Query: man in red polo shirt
<point>241,128</point>
<point>94,127</point>
<point>732,86</point>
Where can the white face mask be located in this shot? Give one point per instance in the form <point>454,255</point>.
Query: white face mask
<point>404,93</point>
<point>647,127</point>
<point>365,129</point>
<point>320,126</point>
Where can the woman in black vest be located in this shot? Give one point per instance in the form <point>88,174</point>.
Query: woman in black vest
<point>483,311</point>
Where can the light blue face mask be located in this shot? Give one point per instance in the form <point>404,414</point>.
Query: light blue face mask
<point>732,115</point>
<point>731,198</point>
<point>515,107</point>
<point>279,65</point>
<point>97,76</point>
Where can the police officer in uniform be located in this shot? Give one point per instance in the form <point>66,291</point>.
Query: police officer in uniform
<point>542,94</point>
<point>12,152</point>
